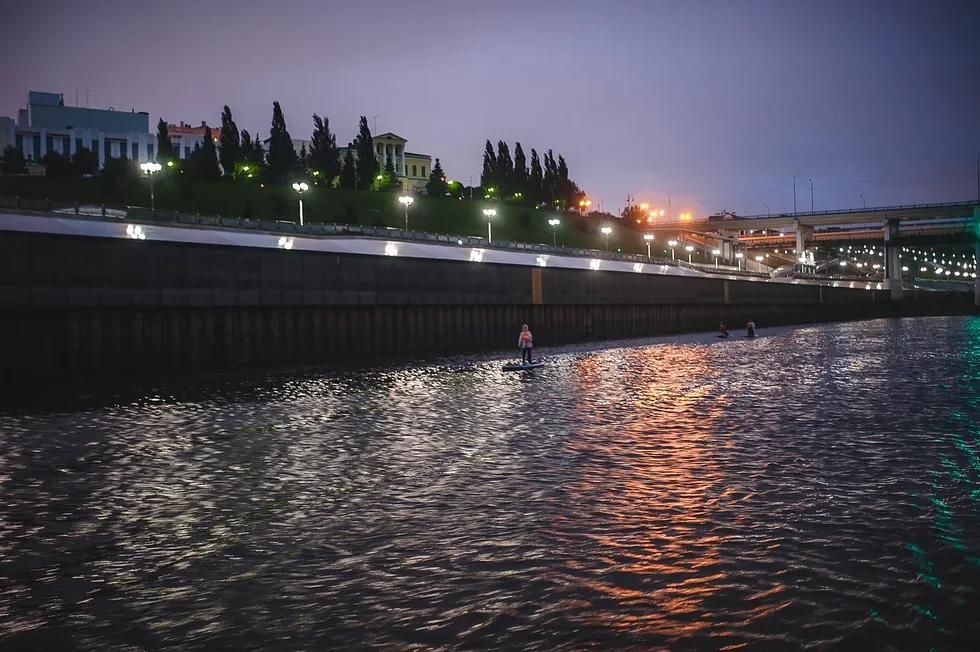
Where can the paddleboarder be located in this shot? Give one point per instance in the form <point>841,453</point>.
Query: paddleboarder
<point>525,342</point>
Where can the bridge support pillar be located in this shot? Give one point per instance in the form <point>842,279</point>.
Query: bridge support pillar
<point>893,263</point>
<point>803,233</point>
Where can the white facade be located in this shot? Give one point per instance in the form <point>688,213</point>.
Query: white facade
<point>47,125</point>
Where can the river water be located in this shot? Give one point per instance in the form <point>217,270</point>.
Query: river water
<point>818,486</point>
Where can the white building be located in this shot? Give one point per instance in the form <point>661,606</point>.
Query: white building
<point>47,125</point>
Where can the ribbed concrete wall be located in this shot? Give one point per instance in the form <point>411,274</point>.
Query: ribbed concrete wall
<point>76,306</point>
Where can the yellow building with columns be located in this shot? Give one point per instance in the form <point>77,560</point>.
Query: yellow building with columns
<point>412,169</point>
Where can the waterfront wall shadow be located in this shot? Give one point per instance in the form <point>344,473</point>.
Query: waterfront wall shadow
<point>78,307</point>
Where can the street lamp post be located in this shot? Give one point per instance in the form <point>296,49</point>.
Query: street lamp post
<point>649,238</point>
<point>606,230</point>
<point>794,194</point>
<point>672,244</point>
<point>489,213</point>
<point>758,262</point>
<point>811,195</point>
<point>301,187</point>
<point>406,201</point>
<point>768,214</point>
<point>554,222</point>
<point>739,256</point>
<point>864,204</point>
<point>716,253</point>
<point>150,168</point>
<point>690,250</point>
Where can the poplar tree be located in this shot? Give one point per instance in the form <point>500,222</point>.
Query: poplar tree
<point>505,169</point>
<point>165,151</point>
<point>229,142</point>
<point>205,161</point>
<point>520,176</point>
<point>348,173</point>
<point>535,178</point>
<point>367,162</point>
<point>324,155</point>
<point>488,178</point>
<point>282,154</point>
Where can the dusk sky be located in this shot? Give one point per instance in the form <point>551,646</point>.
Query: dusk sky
<point>717,103</point>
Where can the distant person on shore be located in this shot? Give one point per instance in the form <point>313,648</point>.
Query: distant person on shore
<point>525,342</point>
<point>723,330</point>
<point>750,329</point>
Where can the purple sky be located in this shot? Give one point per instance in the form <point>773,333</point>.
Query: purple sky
<point>716,103</point>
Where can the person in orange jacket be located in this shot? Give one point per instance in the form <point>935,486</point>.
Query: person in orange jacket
<point>525,342</point>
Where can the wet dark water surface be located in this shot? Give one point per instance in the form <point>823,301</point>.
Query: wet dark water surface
<point>819,486</point>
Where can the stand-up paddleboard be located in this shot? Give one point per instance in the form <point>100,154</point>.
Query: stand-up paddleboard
<point>520,366</point>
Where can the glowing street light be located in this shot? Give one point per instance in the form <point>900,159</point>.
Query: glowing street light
<point>672,244</point>
<point>690,250</point>
<point>583,205</point>
<point>301,187</point>
<point>406,201</point>
<point>716,253</point>
<point>489,213</point>
<point>758,261</point>
<point>606,230</point>
<point>738,257</point>
<point>554,222</point>
<point>649,238</point>
<point>150,168</point>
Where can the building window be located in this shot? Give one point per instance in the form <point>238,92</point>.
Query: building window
<point>423,171</point>
<point>149,151</point>
<point>78,144</point>
<point>187,152</point>
<point>36,154</point>
<point>48,145</point>
<point>107,149</point>
<point>414,170</point>
<point>66,146</point>
<point>20,143</point>
<point>136,151</point>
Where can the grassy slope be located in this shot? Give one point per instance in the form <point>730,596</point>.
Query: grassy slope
<point>229,199</point>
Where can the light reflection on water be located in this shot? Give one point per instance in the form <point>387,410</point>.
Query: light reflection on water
<point>818,486</point>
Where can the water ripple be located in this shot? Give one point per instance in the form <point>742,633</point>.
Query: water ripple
<point>817,487</point>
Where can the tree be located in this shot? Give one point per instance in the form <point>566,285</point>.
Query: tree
<point>489,178</point>
<point>367,163</point>
<point>520,176</point>
<point>204,160</point>
<point>303,159</point>
<point>348,174</point>
<point>324,155</point>
<point>535,180</point>
<point>249,164</point>
<point>13,161</point>
<point>550,183</point>
<point>436,187</point>
<point>258,151</point>
<point>230,142</point>
<point>165,151</point>
<point>505,170</point>
<point>282,154</point>
<point>389,177</point>
<point>85,161</point>
<point>57,166</point>
<point>118,174</point>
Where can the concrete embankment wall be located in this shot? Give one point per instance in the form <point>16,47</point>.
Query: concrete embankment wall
<point>80,307</point>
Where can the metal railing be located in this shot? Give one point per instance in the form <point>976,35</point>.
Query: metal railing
<point>196,220</point>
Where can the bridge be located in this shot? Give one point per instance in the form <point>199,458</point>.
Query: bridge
<point>938,223</point>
